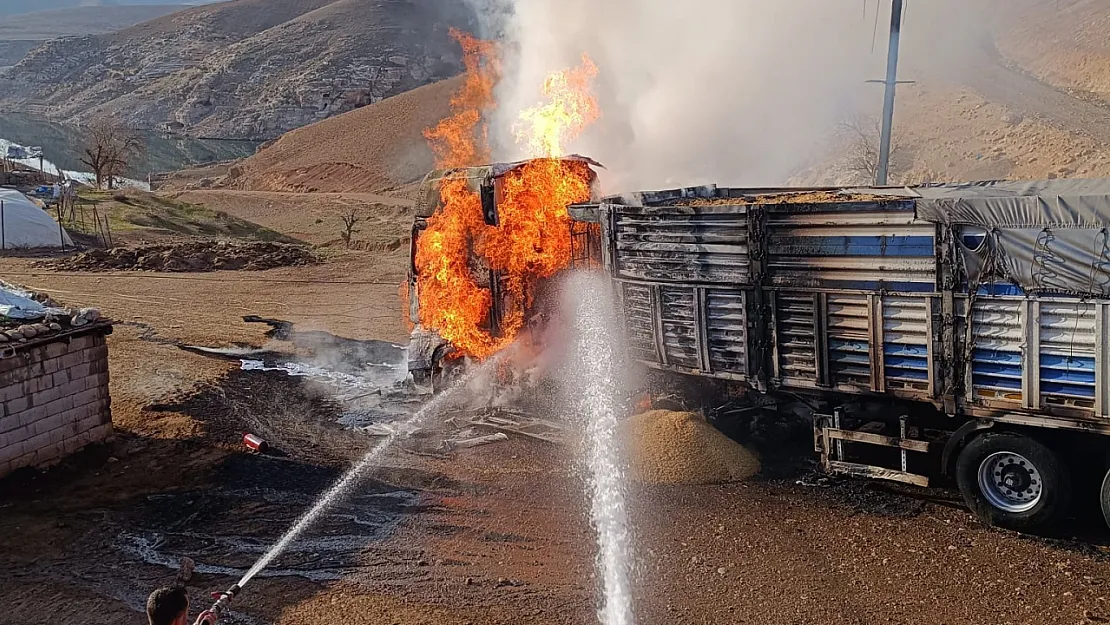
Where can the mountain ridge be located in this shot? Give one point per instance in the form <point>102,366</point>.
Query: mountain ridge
<point>241,69</point>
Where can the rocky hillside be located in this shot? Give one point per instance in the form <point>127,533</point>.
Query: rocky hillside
<point>374,149</point>
<point>21,34</point>
<point>22,7</point>
<point>84,20</point>
<point>241,69</point>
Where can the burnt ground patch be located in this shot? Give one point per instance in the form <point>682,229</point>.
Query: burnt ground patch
<point>297,417</point>
<point>253,500</point>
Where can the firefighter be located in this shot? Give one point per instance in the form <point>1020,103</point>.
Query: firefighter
<point>168,605</point>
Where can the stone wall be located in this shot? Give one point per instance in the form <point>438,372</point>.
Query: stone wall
<point>53,397</point>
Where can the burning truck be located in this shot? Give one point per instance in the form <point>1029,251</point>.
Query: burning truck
<point>944,332</point>
<point>485,243</point>
<point>935,332</point>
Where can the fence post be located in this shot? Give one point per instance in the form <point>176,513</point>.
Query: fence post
<point>3,235</point>
<point>61,230</point>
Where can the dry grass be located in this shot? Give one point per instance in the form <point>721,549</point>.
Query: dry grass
<point>136,216</point>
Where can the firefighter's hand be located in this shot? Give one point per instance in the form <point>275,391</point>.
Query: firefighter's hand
<point>208,617</point>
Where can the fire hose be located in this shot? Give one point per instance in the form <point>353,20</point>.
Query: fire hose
<point>211,616</point>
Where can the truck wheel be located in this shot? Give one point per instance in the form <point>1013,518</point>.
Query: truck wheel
<point>1104,498</point>
<point>1013,481</point>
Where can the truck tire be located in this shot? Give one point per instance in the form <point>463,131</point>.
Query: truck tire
<point>1013,481</point>
<point>1104,498</point>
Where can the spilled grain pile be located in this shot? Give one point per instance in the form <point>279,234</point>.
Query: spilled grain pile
<point>682,448</point>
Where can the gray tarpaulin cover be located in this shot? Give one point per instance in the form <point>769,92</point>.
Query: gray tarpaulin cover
<point>1045,236</point>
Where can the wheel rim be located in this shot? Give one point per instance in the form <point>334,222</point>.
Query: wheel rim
<point>1010,482</point>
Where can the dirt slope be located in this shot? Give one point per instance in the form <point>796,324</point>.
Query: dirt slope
<point>1025,95</point>
<point>1066,44</point>
<point>371,149</point>
<point>245,68</point>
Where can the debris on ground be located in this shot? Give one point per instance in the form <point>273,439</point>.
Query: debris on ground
<point>669,447</point>
<point>185,570</point>
<point>199,256</point>
<point>476,441</point>
<point>509,422</point>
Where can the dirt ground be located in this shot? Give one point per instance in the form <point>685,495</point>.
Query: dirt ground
<point>495,534</point>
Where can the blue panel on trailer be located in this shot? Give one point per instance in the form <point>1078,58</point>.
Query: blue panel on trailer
<point>997,356</point>
<point>907,374</point>
<point>875,285</point>
<point>993,382</point>
<point>900,349</point>
<point>1068,377</point>
<point>902,362</point>
<point>1068,363</point>
<point>1051,388</point>
<point>852,245</point>
<point>996,370</point>
<point>999,289</point>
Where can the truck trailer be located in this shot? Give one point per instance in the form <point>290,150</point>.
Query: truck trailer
<point>958,330</point>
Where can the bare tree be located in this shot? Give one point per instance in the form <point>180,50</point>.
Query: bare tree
<point>863,136</point>
<point>350,219</point>
<point>109,147</point>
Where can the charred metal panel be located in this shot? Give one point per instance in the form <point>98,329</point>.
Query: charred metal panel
<point>585,245</point>
<point>849,340</point>
<point>727,330</point>
<point>682,244</point>
<point>680,328</point>
<point>795,322</point>
<point>639,321</point>
<point>858,245</point>
<point>906,340</point>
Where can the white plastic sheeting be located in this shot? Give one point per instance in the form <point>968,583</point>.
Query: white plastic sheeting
<point>27,225</point>
<point>19,304</point>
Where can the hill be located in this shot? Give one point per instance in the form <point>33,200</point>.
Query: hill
<point>22,7</point>
<point>372,149</point>
<point>241,69</point>
<point>85,20</point>
<point>1065,44</point>
<point>25,32</point>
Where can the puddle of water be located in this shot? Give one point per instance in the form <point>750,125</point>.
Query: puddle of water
<point>239,524</point>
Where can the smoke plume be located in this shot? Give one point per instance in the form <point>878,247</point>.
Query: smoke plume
<point>737,92</point>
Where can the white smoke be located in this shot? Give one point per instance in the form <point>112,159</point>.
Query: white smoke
<point>738,92</point>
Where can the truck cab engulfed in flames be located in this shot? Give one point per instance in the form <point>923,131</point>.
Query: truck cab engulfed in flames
<point>433,358</point>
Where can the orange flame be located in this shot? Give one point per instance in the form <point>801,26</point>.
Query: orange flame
<point>461,140</point>
<point>572,107</point>
<point>532,242</point>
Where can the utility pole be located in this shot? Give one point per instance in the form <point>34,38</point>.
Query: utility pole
<point>891,88</point>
